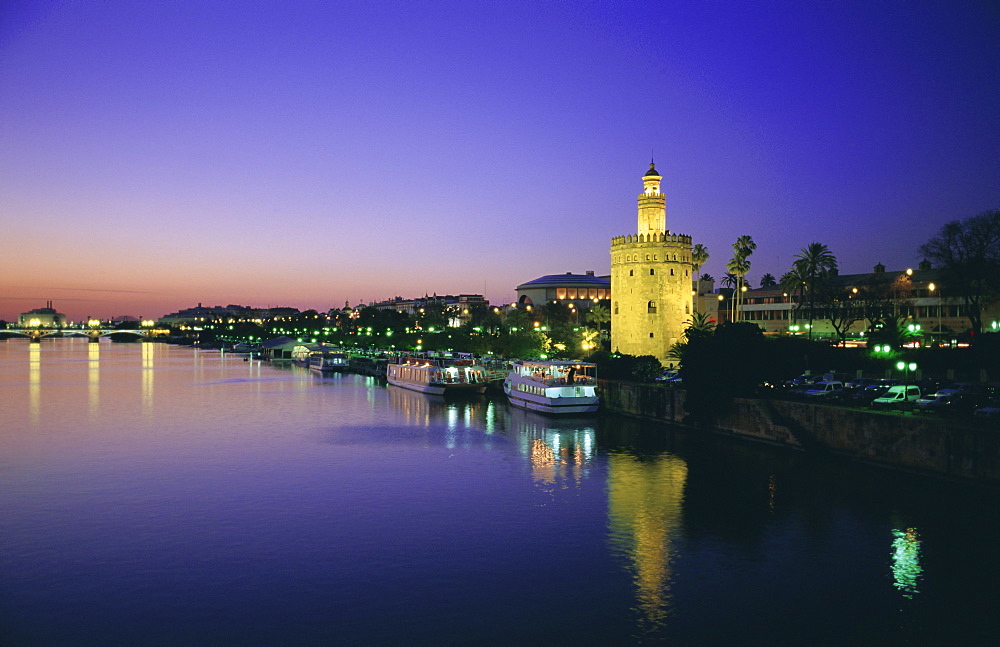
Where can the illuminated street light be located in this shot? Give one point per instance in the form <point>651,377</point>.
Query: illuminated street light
<point>907,369</point>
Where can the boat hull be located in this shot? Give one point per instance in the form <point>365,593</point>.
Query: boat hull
<point>554,407</point>
<point>435,388</point>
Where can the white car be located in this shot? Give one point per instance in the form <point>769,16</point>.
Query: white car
<point>898,396</point>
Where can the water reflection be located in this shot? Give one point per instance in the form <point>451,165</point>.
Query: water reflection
<point>645,502</point>
<point>93,380</point>
<point>559,449</point>
<point>421,409</point>
<point>906,567</point>
<point>148,355</point>
<point>34,382</point>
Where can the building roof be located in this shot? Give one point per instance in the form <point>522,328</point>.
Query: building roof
<point>568,279</point>
<point>652,171</point>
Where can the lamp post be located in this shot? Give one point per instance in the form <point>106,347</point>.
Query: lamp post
<point>932,288</point>
<point>906,368</point>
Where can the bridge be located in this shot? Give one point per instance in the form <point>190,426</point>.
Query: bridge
<point>94,333</point>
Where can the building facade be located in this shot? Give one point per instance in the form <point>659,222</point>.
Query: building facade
<point>459,308</point>
<point>651,279</point>
<point>579,290</point>
<point>46,317</point>
<point>914,297</point>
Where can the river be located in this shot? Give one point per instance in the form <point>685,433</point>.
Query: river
<point>152,494</point>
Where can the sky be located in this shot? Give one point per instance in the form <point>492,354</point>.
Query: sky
<point>157,155</point>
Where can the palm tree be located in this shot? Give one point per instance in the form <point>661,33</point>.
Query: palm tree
<point>599,315</point>
<point>699,256</point>
<point>815,263</point>
<point>768,281</point>
<point>740,263</point>
<point>793,283</point>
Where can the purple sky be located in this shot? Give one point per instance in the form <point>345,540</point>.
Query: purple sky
<point>158,154</point>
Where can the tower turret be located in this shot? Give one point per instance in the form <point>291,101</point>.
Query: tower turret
<point>652,204</point>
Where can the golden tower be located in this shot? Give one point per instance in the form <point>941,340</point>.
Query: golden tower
<point>650,279</point>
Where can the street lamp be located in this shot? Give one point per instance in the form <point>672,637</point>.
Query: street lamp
<point>933,287</point>
<point>907,369</point>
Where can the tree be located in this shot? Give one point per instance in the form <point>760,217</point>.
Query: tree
<point>884,301</point>
<point>968,253</point>
<point>740,265</point>
<point>699,256</point>
<point>699,327</point>
<point>598,315</point>
<point>707,277</point>
<point>815,263</point>
<point>768,281</point>
<point>843,311</point>
<point>794,283</point>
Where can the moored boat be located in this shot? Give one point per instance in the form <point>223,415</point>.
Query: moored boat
<point>328,361</point>
<point>553,386</point>
<point>438,375</point>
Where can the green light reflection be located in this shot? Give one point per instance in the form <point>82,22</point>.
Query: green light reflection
<point>906,569</point>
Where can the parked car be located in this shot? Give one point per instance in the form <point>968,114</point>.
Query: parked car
<point>859,384</point>
<point>864,397</point>
<point>898,396</point>
<point>803,380</point>
<point>937,403</point>
<point>826,390</point>
<point>991,410</point>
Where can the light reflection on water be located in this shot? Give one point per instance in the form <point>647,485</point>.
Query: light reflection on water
<point>149,490</point>
<point>645,503</point>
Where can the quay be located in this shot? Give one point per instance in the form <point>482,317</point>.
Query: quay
<point>920,444</point>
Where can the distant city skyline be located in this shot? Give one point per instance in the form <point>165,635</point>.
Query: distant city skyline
<point>305,154</point>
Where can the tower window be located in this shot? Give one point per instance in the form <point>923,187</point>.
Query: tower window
<point>652,271</point>
<point>616,307</point>
<point>650,335</point>
<point>631,272</point>
<point>651,307</point>
<point>671,271</point>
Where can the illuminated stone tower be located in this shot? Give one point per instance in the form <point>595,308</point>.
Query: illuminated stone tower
<point>650,279</point>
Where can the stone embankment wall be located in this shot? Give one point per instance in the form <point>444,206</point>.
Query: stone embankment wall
<point>924,444</point>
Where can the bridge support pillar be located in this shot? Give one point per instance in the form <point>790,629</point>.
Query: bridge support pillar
<point>95,336</point>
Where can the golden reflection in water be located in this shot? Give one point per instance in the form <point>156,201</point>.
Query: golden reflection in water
<point>148,354</point>
<point>34,382</point>
<point>906,569</point>
<point>556,450</point>
<point>415,407</point>
<point>556,455</point>
<point>93,379</point>
<point>645,501</point>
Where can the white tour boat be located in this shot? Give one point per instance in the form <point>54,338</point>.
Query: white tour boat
<point>328,361</point>
<point>553,386</point>
<point>438,375</point>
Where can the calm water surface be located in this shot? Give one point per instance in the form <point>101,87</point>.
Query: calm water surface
<point>152,494</point>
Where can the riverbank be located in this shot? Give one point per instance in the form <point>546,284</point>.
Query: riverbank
<point>922,444</point>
